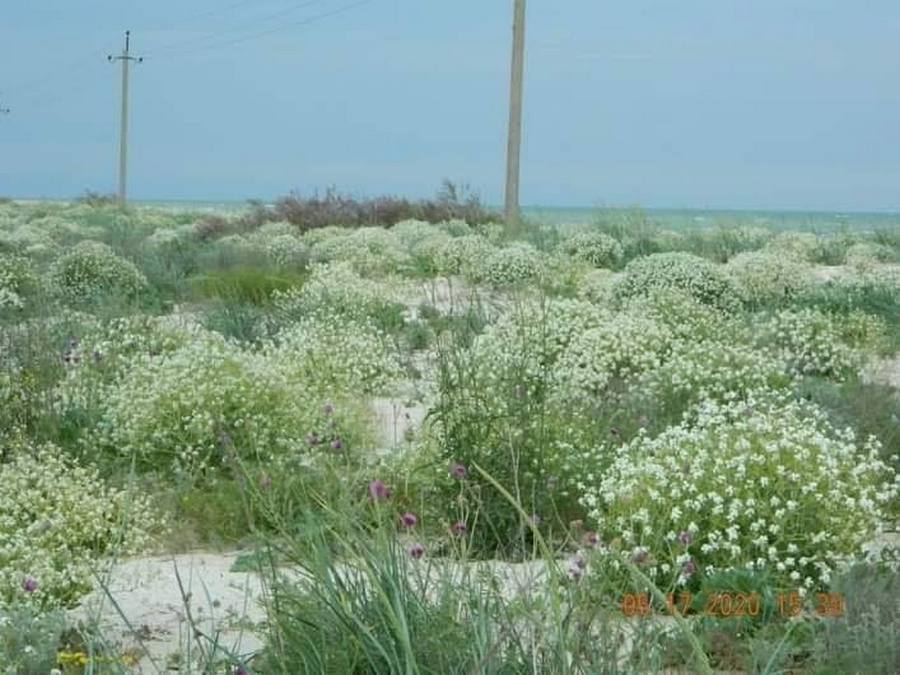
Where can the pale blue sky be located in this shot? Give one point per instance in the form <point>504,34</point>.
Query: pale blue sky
<point>692,103</point>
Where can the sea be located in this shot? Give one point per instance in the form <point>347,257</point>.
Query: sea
<point>672,219</point>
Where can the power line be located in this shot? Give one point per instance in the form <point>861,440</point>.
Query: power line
<point>188,44</point>
<point>296,24</point>
<point>204,14</point>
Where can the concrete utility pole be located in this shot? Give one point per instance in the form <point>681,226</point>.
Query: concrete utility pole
<point>125,58</point>
<point>514,148</point>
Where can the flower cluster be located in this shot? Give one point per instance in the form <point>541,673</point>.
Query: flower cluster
<point>286,250</point>
<point>804,246</point>
<point>701,279</point>
<point>813,342</point>
<point>336,290</point>
<point>57,519</point>
<point>764,278</point>
<point>17,280</point>
<point>717,371</point>
<point>92,269</point>
<point>204,404</point>
<point>761,484</point>
<point>621,346</point>
<point>866,257</point>
<point>369,250</point>
<point>464,256</point>
<point>513,264</point>
<point>335,356</point>
<point>596,248</point>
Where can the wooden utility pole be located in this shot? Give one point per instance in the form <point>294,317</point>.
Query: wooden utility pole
<point>514,148</point>
<point>125,58</point>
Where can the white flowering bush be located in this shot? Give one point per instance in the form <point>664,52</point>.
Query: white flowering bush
<point>336,289</point>
<point>465,256</point>
<point>804,246</point>
<point>513,264</point>
<point>764,278</point>
<point>17,280</point>
<point>622,346</point>
<point>29,240</point>
<point>408,233</point>
<point>813,342</point>
<point>286,250</point>
<point>58,520</point>
<point>107,351</point>
<point>597,286</point>
<point>369,250</point>
<point>168,239</point>
<point>596,248</point>
<point>206,404</point>
<point>456,227</point>
<point>92,269</point>
<point>686,318</point>
<point>696,371</point>
<point>759,485</point>
<point>425,254</point>
<point>701,279</point>
<point>336,356</point>
<point>867,256</point>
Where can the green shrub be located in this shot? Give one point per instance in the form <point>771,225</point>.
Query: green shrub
<point>208,404</point>
<point>766,279</point>
<point>512,265</point>
<point>701,279</point>
<point>596,248</point>
<point>91,270</point>
<point>811,342</point>
<point>761,485</point>
<point>251,285</point>
<point>30,639</point>
<point>17,281</point>
<point>57,520</point>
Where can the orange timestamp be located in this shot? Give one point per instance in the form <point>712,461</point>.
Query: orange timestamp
<point>733,605</point>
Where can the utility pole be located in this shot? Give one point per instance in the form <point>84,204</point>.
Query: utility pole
<point>514,147</point>
<point>4,111</point>
<point>125,58</point>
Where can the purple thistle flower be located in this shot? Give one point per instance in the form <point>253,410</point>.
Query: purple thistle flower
<point>30,585</point>
<point>591,539</point>
<point>409,520</point>
<point>265,482</point>
<point>328,409</point>
<point>379,491</point>
<point>313,439</point>
<point>240,670</point>
<point>689,568</point>
<point>459,527</point>
<point>578,560</point>
<point>336,444</point>
<point>458,471</point>
<point>576,573</point>
<point>416,551</point>
<point>685,538</point>
<point>639,557</point>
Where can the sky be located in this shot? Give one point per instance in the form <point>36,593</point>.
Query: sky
<point>740,104</point>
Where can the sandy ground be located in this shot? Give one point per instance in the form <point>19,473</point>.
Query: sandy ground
<point>228,604</point>
<point>150,615</point>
